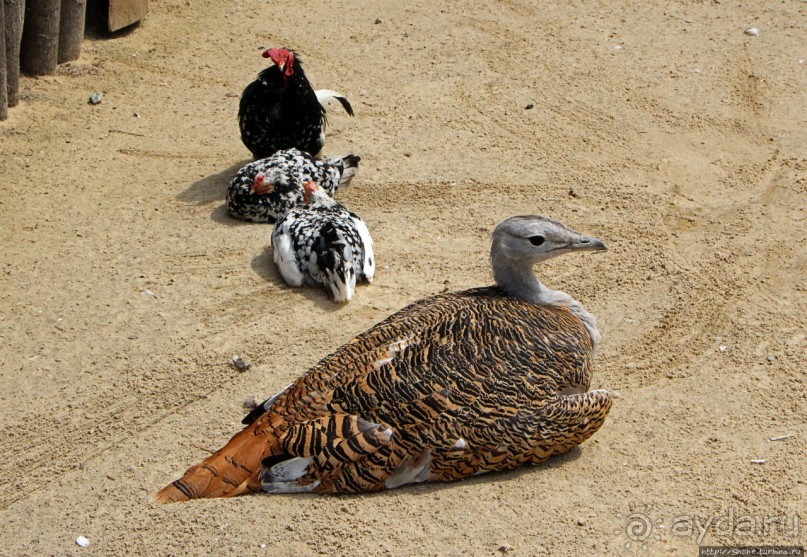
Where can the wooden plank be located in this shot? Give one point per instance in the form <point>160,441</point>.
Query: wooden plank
<point>14,14</point>
<point>71,29</point>
<point>126,12</point>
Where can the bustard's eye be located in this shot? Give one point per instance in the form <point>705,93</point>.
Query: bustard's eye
<point>536,240</point>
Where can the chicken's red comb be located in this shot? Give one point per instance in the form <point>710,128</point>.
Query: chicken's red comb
<point>308,191</point>
<point>283,58</point>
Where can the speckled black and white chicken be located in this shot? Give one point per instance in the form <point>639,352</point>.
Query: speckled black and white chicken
<point>451,386</point>
<point>280,109</point>
<point>264,190</point>
<point>322,243</point>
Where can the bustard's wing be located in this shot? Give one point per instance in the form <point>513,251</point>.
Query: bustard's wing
<point>464,382</point>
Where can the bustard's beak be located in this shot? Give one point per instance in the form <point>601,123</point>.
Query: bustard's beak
<point>587,243</point>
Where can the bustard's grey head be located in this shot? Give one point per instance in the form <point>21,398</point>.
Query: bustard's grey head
<point>536,238</point>
<point>521,242</point>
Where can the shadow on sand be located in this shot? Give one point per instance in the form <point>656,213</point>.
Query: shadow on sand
<point>429,488</point>
<point>211,188</point>
<point>214,188</point>
<point>264,266</point>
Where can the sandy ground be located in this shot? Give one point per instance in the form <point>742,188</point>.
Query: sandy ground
<point>659,127</point>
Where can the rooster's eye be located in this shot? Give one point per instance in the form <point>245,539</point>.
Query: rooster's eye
<point>536,240</point>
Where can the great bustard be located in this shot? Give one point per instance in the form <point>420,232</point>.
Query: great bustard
<point>451,386</point>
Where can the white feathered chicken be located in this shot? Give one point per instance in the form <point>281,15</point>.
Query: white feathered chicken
<point>322,243</point>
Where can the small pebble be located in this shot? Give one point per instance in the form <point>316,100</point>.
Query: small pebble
<point>96,97</point>
<point>753,31</point>
<point>771,358</point>
<point>723,348</point>
<point>758,461</point>
<point>148,292</point>
<point>82,541</point>
<point>581,521</point>
<point>263,546</point>
<point>241,364</point>
<point>504,548</point>
<point>529,106</point>
<point>377,21</point>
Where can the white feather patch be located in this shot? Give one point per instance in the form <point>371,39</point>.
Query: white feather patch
<point>347,176</point>
<point>329,97</point>
<point>368,267</point>
<point>342,291</point>
<point>378,363</point>
<point>290,470</point>
<point>408,474</point>
<point>285,260</point>
<point>289,487</point>
<point>460,444</point>
<point>270,401</point>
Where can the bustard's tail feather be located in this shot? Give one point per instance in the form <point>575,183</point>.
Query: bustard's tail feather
<point>233,470</point>
<point>574,419</point>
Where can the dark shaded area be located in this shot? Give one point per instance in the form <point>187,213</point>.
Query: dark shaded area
<point>97,25</point>
<point>264,266</point>
<point>211,188</point>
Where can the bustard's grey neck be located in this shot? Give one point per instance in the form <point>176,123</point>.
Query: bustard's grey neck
<point>517,279</point>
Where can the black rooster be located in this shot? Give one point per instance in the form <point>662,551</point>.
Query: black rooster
<point>280,109</point>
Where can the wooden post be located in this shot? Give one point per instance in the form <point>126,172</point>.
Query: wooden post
<point>71,29</point>
<point>3,90</point>
<point>14,14</point>
<point>39,52</point>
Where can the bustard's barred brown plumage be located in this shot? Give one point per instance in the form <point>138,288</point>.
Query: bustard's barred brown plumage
<point>451,386</point>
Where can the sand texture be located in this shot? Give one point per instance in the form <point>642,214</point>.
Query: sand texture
<point>659,127</point>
